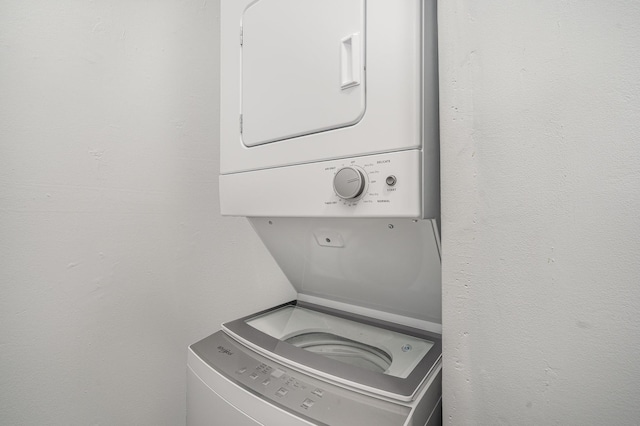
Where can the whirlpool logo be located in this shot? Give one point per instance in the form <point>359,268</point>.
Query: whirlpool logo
<point>224,350</point>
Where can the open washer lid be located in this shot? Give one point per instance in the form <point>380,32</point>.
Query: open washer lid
<point>384,268</point>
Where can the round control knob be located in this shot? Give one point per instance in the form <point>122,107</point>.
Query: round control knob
<point>348,183</point>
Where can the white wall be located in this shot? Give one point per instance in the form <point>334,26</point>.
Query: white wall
<point>113,257</point>
<point>540,113</point>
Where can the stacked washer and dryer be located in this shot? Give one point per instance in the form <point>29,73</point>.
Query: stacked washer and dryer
<point>329,146</point>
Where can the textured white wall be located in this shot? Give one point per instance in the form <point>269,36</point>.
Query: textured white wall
<point>540,113</point>
<point>113,257</point>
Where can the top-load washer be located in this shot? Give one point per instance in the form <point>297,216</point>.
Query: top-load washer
<point>301,364</point>
<point>329,145</point>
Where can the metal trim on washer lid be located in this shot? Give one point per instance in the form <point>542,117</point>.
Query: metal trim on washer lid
<point>357,378</point>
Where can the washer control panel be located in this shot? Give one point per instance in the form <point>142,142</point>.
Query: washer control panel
<point>305,396</point>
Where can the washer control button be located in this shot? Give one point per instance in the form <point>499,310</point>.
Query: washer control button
<point>277,373</point>
<point>282,392</point>
<point>391,180</point>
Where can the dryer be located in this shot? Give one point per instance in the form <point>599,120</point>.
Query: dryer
<point>329,146</point>
<point>309,87</point>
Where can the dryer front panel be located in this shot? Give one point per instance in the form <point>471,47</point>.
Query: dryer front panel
<point>312,80</point>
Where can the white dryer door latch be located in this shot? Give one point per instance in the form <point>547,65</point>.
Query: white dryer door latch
<point>351,61</point>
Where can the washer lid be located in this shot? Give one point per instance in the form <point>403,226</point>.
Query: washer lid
<point>386,266</point>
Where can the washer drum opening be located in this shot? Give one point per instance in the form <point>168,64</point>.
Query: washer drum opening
<point>344,350</point>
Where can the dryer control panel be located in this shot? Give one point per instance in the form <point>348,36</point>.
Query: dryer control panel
<point>382,185</point>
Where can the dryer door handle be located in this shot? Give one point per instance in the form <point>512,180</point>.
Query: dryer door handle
<point>350,61</point>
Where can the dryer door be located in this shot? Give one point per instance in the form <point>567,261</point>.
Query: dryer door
<point>303,81</point>
<point>303,68</point>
